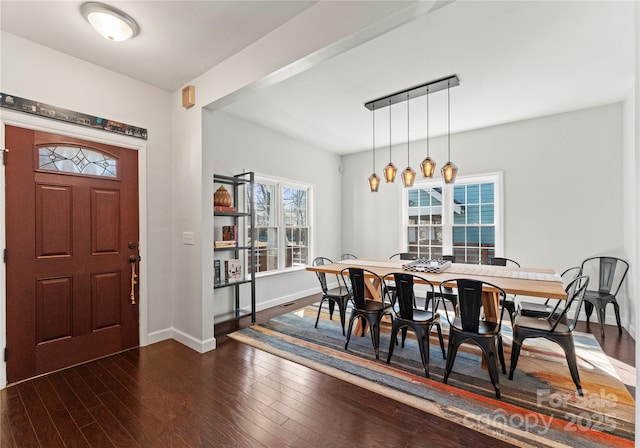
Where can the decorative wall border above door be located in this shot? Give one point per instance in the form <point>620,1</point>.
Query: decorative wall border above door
<point>19,104</point>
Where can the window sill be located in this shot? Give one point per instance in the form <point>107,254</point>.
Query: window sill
<point>294,269</point>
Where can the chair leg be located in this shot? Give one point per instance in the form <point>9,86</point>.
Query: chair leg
<point>600,311</point>
<point>404,335</point>
<point>515,354</point>
<point>319,310</point>
<point>423,346</point>
<point>343,315</point>
<point>492,364</point>
<point>375,338</point>
<point>616,309</point>
<point>332,305</point>
<point>439,327</point>
<point>588,309</point>
<point>501,354</point>
<point>453,349</point>
<point>570,353</point>
<point>346,344</point>
<point>394,334</point>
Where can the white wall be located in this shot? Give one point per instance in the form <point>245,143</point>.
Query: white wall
<point>33,71</point>
<point>563,188</point>
<point>233,146</point>
<point>297,45</point>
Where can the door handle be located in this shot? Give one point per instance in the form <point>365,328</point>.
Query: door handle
<point>133,260</point>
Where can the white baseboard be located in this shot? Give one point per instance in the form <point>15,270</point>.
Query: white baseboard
<point>183,338</point>
<point>286,299</point>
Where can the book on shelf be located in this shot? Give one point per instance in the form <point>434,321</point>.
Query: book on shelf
<point>229,233</point>
<point>221,244</point>
<point>224,208</point>
<point>233,270</point>
<point>217,279</point>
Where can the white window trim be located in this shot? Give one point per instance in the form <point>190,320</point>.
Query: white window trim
<point>447,192</point>
<point>280,183</point>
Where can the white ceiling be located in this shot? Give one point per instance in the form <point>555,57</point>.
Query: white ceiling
<point>515,60</point>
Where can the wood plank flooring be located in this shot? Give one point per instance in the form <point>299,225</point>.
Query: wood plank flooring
<point>167,395</point>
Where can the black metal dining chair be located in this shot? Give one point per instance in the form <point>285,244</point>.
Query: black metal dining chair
<point>611,272</point>
<point>367,310</point>
<point>542,309</point>
<point>407,315</point>
<point>339,295</point>
<point>404,256</point>
<point>469,326</point>
<point>509,301</point>
<point>556,327</point>
<point>448,294</point>
<point>348,257</point>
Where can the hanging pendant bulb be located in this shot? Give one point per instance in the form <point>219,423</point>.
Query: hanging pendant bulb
<point>374,180</point>
<point>428,165</point>
<point>408,175</point>
<point>449,170</point>
<point>390,170</point>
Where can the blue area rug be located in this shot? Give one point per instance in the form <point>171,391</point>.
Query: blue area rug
<point>539,407</point>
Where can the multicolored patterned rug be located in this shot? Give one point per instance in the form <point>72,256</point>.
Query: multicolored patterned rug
<point>539,407</point>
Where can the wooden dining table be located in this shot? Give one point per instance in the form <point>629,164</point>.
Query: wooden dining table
<point>536,282</point>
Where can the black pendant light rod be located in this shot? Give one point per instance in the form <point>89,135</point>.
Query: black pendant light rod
<point>413,92</point>
<point>374,140</point>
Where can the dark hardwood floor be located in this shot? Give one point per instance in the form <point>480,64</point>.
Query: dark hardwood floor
<point>167,395</point>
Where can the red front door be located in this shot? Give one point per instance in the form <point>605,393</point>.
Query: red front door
<point>72,226</point>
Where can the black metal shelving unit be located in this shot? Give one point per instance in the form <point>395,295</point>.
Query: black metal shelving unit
<point>240,184</point>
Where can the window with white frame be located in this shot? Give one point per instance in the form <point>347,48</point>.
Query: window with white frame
<point>283,224</point>
<point>462,219</point>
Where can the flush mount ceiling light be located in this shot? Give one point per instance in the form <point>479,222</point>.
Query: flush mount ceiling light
<point>109,22</point>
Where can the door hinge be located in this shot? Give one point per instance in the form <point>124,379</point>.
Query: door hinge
<point>5,155</point>
<point>5,255</point>
<point>6,354</point>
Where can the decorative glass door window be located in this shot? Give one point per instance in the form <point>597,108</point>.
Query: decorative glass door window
<point>76,160</point>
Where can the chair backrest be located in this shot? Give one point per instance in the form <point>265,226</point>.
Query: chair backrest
<point>405,294</point>
<point>575,295</point>
<point>501,261</point>
<point>404,256</point>
<point>348,257</point>
<point>570,274</point>
<point>470,301</point>
<point>611,272</point>
<point>322,278</point>
<point>358,276</point>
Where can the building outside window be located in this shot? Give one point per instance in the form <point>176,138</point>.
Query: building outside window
<point>283,224</point>
<point>463,219</point>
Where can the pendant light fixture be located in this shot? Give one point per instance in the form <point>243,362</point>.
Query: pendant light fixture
<point>408,175</point>
<point>428,165</point>
<point>374,180</point>
<point>390,170</point>
<point>449,170</point>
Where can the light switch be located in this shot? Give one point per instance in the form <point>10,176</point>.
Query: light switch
<point>187,238</point>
